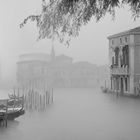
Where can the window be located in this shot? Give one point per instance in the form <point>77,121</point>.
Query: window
<point>113,60</point>
<point>120,40</point>
<point>112,42</point>
<point>116,55</point>
<point>125,39</point>
<point>126,84</point>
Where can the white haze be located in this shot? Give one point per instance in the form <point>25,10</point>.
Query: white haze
<point>91,45</point>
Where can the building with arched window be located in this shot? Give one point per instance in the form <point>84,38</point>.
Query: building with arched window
<point>124,61</point>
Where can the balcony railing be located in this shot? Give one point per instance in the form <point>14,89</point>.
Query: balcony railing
<point>124,70</point>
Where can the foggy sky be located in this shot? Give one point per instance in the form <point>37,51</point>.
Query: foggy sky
<point>91,45</point>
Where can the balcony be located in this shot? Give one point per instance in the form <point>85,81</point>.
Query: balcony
<point>124,70</point>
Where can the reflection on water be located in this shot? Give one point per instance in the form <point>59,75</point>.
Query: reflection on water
<point>79,114</point>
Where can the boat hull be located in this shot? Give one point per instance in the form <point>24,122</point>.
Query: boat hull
<point>11,115</point>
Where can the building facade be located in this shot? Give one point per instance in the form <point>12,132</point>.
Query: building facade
<point>31,70</point>
<point>40,70</point>
<point>124,61</point>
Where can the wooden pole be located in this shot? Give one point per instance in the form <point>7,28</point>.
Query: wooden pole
<point>52,95</point>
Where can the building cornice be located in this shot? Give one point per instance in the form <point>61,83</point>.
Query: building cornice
<point>135,31</point>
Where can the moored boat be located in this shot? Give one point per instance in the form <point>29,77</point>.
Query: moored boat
<point>11,108</point>
<point>104,89</point>
<point>14,113</point>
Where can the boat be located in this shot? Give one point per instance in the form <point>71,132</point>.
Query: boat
<point>15,107</point>
<point>104,89</point>
<point>15,113</point>
<point>11,108</point>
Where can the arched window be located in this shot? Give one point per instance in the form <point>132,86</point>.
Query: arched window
<point>120,40</point>
<point>116,55</point>
<point>125,55</point>
<point>126,39</point>
<point>126,84</point>
<point>113,60</point>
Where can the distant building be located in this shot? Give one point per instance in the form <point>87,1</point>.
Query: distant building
<point>124,56</point>
<point>40,70</point>
<point>31,70</point>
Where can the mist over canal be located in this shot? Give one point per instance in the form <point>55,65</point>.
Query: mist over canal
<point>79,114</point>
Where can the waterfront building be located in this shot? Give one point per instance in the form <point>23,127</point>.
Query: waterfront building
<point>39,70</point>
<point>124,61</point>
<point>31,70</point>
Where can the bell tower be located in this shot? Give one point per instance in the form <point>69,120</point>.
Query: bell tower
<point>52,53</point>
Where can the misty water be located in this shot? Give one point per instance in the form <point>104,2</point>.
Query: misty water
<point>79,114</point>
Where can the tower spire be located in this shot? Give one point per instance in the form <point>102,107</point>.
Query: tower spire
<point>52,53</point>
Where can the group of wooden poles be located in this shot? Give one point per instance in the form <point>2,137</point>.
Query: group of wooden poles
<point>37,100</point>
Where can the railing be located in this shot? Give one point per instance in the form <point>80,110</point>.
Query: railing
<point>119,70</point>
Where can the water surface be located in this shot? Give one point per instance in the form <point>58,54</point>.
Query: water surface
<point>79,114</point>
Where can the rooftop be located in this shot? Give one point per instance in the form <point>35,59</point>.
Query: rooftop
<point>34,56</point>
<point>128,32</point>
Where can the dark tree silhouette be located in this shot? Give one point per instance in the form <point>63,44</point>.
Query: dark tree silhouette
<point>62,19</point>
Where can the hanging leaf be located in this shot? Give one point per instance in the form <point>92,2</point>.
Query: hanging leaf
<point>63,19</point>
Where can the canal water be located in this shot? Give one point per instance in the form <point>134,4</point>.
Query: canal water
<point>79,114</point>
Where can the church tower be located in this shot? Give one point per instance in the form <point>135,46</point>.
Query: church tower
<point>52,53</point>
